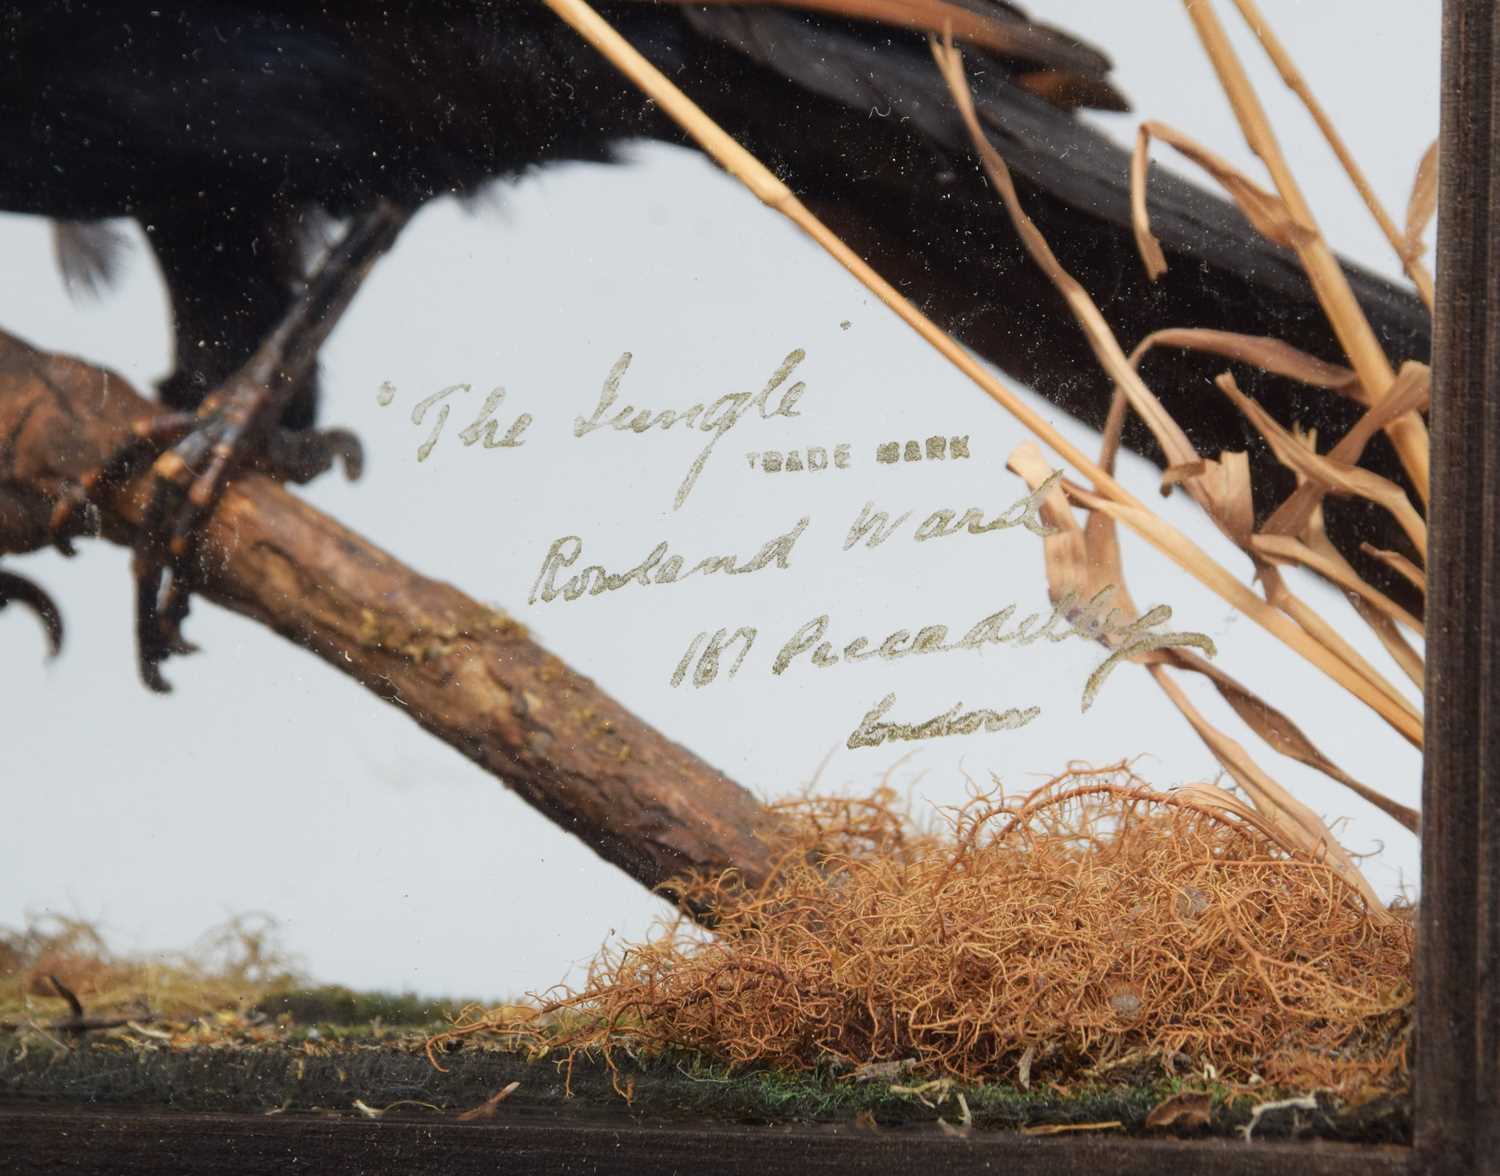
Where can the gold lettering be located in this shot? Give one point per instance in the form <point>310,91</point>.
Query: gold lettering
<point>879,523</point>
<point>607,395</point>
<point>802,640</point>
<point>936,525</point>
<point>987,631</point>
<point>1134,639</point>
<point>930,639</point>
<point>1024,512</point>
<point>1094,621</point>
<point>565,552</point>
<point>718,419</point>
<point>871,732</point>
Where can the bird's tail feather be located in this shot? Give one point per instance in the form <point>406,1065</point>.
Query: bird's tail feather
<point>89,255</point>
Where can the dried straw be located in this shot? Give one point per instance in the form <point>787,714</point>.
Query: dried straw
<point>1081,560</point>
<point>1407,246</point>
<point>1408,433</point>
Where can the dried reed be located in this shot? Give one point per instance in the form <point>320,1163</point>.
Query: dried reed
<point>1082,560</point>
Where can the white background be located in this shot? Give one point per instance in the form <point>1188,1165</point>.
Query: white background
<point>268,782</point>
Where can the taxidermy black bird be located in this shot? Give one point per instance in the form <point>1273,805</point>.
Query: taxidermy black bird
<point>232,130</point>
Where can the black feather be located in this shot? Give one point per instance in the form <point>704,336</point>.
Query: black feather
<point>227,126</point>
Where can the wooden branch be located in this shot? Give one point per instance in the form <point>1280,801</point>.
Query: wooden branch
<point>468,674</point>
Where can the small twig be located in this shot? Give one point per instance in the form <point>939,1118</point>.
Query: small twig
<point>80,1022</point>
<point>1304,1103</point>
<point>138,1025</point>
<point>486,1109</point>
<point>1067,1128</point>
<point>68,995</point>
<point>370,1112</point>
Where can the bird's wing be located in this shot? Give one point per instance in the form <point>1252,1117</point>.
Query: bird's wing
<point>1047,61</point>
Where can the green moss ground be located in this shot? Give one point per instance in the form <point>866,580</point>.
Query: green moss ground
<point>333,1047</point>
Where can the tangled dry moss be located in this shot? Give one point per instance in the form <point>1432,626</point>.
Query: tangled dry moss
<point>1047,937</point>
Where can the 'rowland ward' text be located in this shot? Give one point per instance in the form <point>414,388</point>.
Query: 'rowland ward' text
<point>657,568</point>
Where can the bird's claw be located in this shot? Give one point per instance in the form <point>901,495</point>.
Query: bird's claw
<point>233,432</point>
<point>191,458</point>
<point>19,590</point>
<point>301,455</point>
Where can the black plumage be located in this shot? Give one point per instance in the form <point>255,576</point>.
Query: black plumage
<point>233,130</point>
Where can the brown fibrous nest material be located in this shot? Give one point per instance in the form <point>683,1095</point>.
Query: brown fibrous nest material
<point>1049,936</point>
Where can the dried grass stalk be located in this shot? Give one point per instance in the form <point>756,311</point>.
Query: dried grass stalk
<point>1295,824</point>
<point>1270,355</point>
<point>1283,735</point>
<point>1223,488</point>
<point>1123,506</point>
<point>1422,206</point>
<point>1400,564</point>
<point>1329,472</point>
<point>1266,211</point>
<point>1408,246</point>
<point>1285,549</point>
<point>1083,561</point>
<point>1140,218</point>
<point>1408,434</point>
<point>1285,607</point>
<point>1410,392</point>
<point>1076,561</point>
<point>1383,626</point>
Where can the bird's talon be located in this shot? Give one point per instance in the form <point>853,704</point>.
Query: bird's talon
<point>19,590</point>
<point>349,451</point>
<point>300,457</point>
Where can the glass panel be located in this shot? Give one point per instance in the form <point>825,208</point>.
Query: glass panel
<point>1137,789</point>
